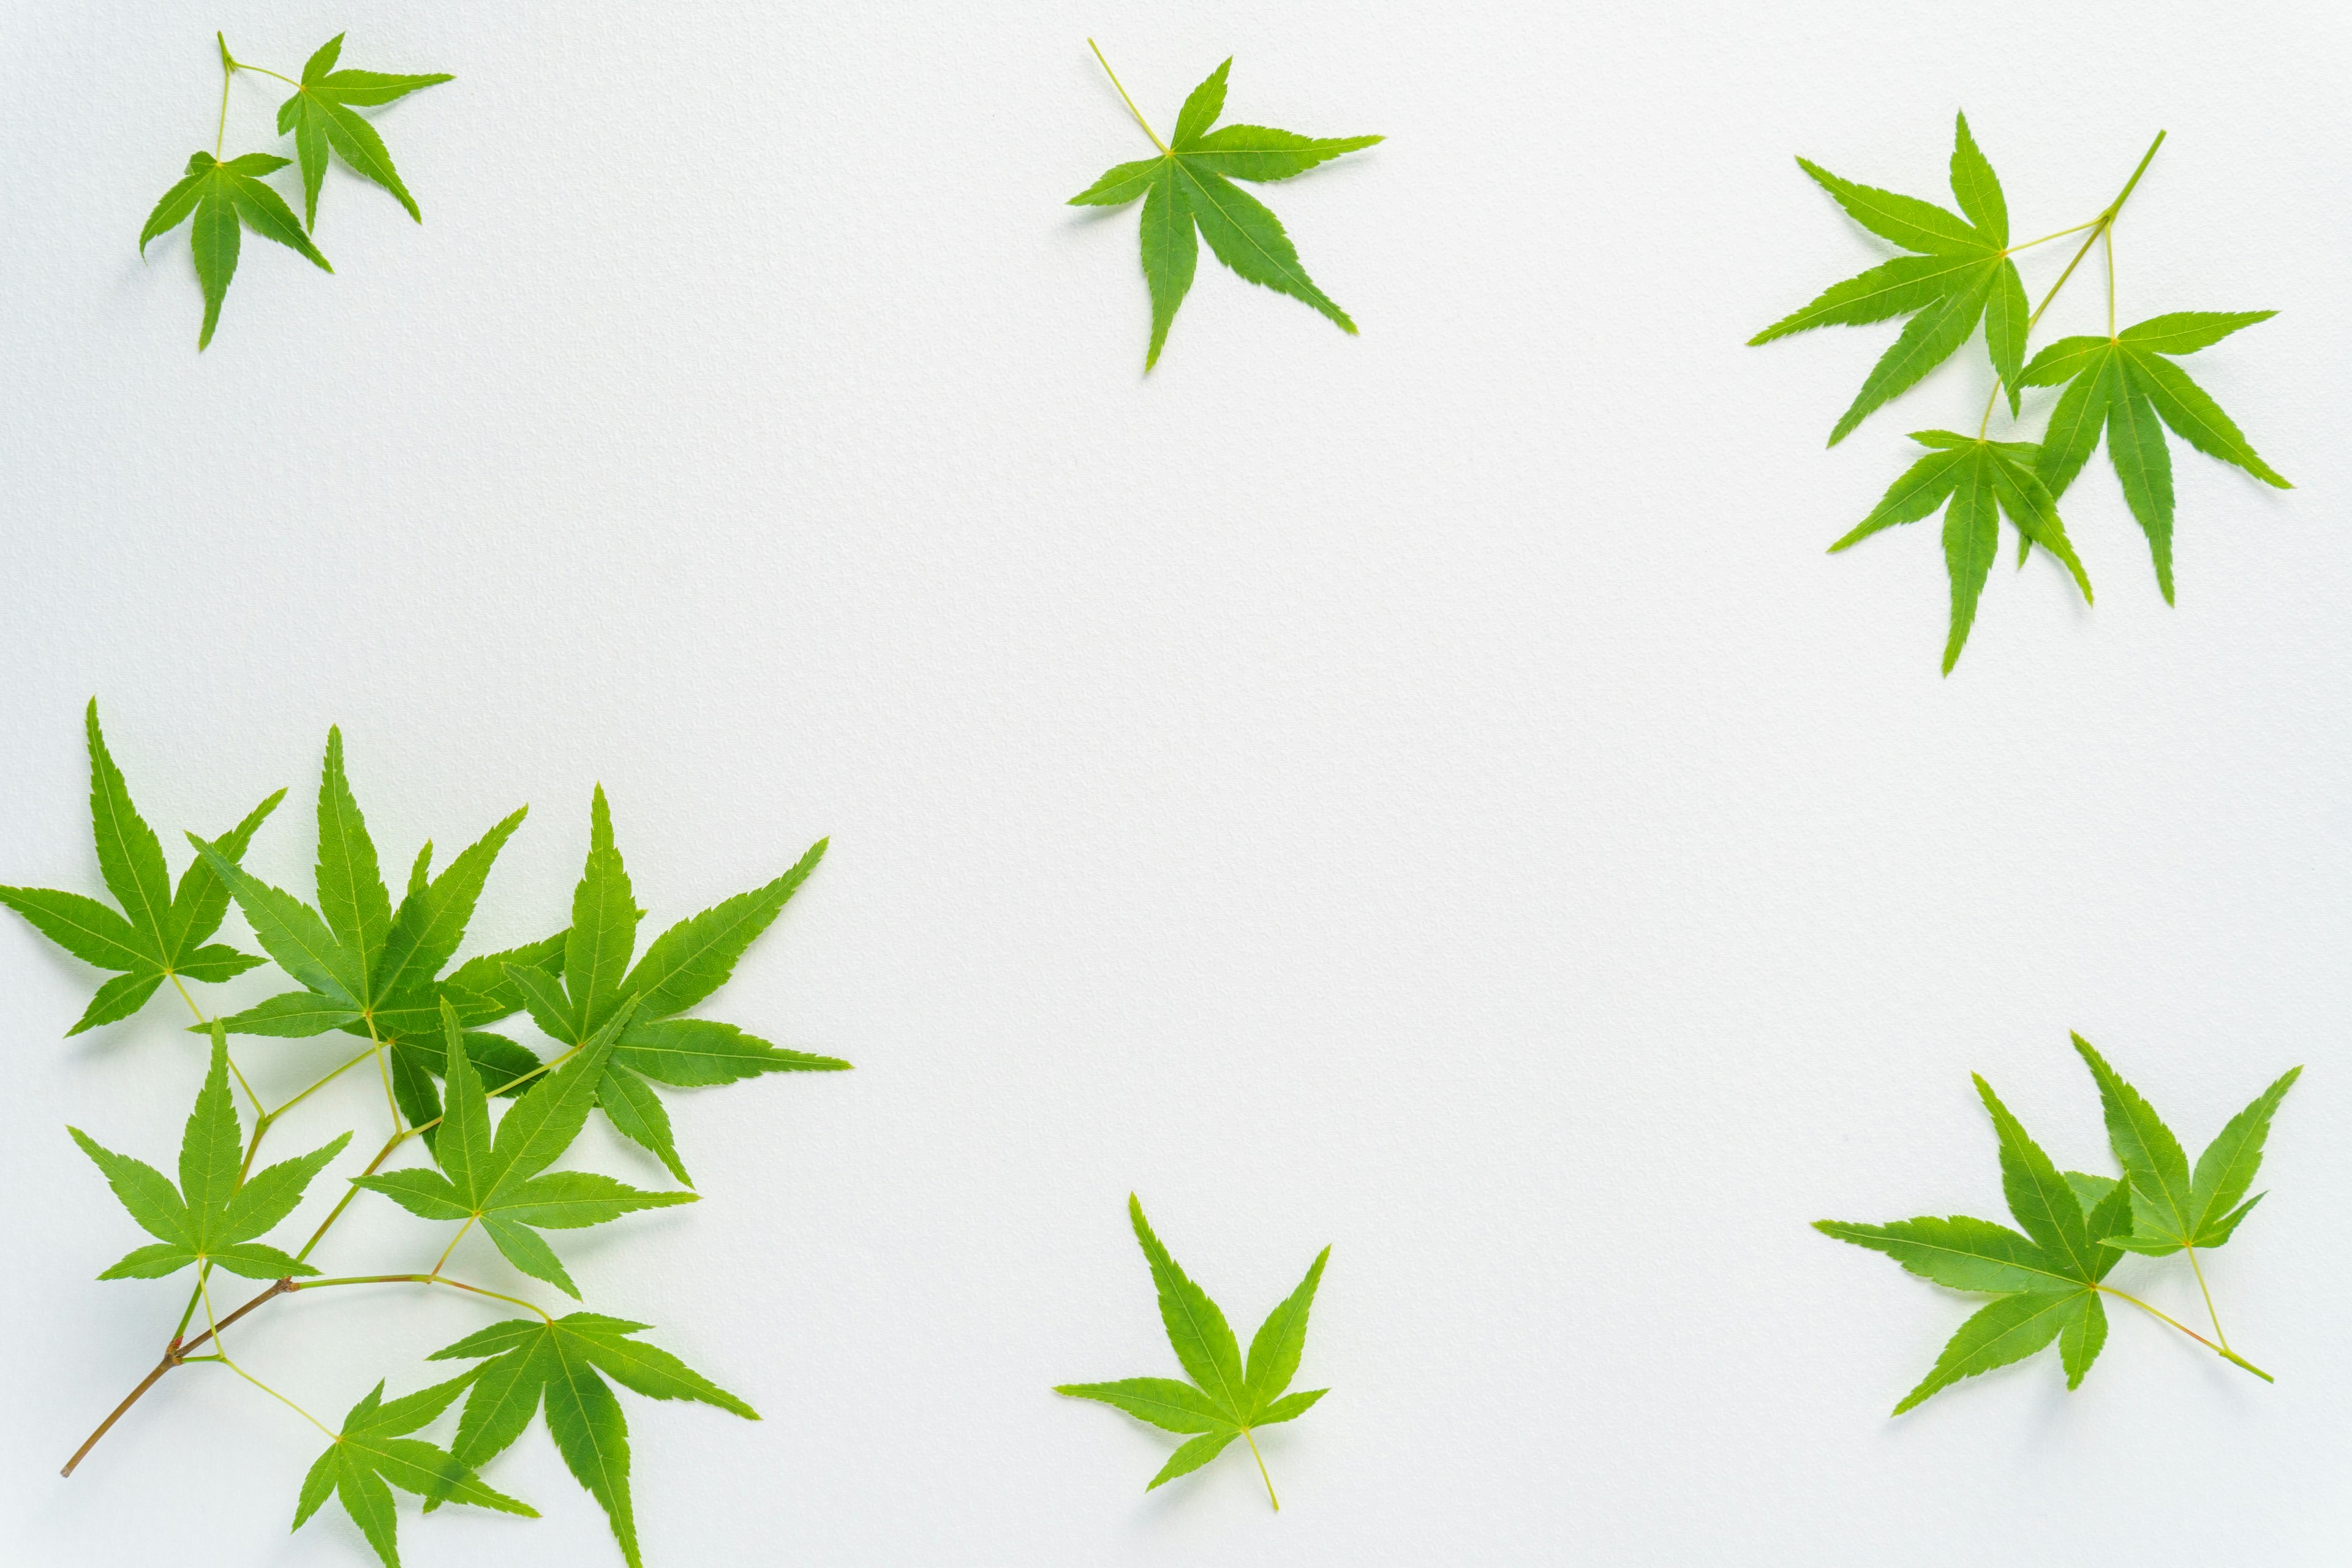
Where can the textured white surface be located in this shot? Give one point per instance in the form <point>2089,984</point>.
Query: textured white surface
<point>1428,793</point>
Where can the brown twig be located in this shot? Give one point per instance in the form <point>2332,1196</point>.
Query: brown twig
<point>173,1355</point>
<point>175,1352</point>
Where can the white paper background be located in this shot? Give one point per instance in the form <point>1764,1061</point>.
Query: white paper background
<point>1427,793</point>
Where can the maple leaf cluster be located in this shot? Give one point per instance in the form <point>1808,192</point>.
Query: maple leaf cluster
<point>224,198</point>
<point>372,972</point>
<point>2048,1277</point>
<point>1960,273</point>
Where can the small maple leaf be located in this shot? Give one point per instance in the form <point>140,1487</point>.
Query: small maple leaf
<point>533,1361</point>
<point>218,194</point>
<point>215,1215</point>
<point>2048,1280</point>
<point>322,114</point>
<point>1224,1400</point>
<point>498,1182</point>
<point>2125,385</point>
<point>373,1448</point>
<point>2045,1281</point>
<point>682,966</point>
<point>1981,479</point>
<point>2175,1209</point>
<point>162,931</point>
<point>374,971</point>
<point>1960,273</point>
<point>1190,187</point>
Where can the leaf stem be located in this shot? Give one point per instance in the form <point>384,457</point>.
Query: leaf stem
<point>2101,225</point>
<point>323,1083</point>
<point>174,1355</point>
<point>520,1077</point>
<point>2110,233</point>
<point>223,1359</point>
<point>383,1064</point>
<point>1261,1469</point>
<point>220,135</point>
<point>2224,1351</point>
<point>1107,71</point>
<point>2029,244</point>
<point>471,1218</point>
<point>2198,1270</point>
<point>434,1278</point>
<point>337,1213</point>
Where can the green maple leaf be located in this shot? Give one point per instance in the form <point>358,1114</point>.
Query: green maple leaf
<point>374,971</point>
<point>374,1449</point>
<point>323,113</point>
<point>682,966</point>
<point>556,1363</point>
<point>219,196</point>
<point>2125,384</point>
<point>162,931</point>
<point>1959,273</point>
<point>502,1183</point>
<point>1189,191</point>
<point>2044,1282</point>
<point>215,1214</point>
<point>2173,1208</point>
<point>1980,480</point>
<point>1226,1399</point>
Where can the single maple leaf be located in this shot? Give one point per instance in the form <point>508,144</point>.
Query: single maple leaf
<point>161,931</point>
<point>2045,1282</point>
<point>534,1362</point>
<point>374,971</point>
<point>373,1448</point>
<point>323,113</point>
<point>682,966</point>
<point>218,194</point>
<point>1980,480</point>
<point>1959,273</point>
<point>1226,1399</point>
<point>2126,383</point>
<point>1189,188</point>
<point>215,1215</point>
<point>2173,1208</point>
<point>497,1182</point>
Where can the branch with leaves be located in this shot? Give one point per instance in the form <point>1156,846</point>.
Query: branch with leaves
<point>2049,1282</point>
<point>1961,271</point>
<point>367,971</point>
<point>1187,191</point>
<point>224,198</point>
<point>1226,1398</point>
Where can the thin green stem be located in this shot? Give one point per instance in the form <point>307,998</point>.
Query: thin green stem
<point>2224,1351</point>
<point>1107,71</point>
<point>223,1359</point>
<point>2029,244</point>
<point>220,135</point>
<point>337,1213</point>
<point>1261,1469</point>
<point>323,1083</point>
<point>193,1296</point>
<point>384,1063</point>
<point>2111,279</point>
<point>518,1078</point>
<point>2198,1270</point>
<point>205,1022</point>
<point>2124,194</point>
<point>2101,225</point>
<point>265,70</point>
<point>416,1279</point>
<point>468,1225</point>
